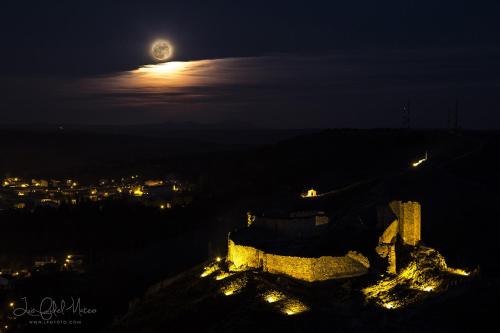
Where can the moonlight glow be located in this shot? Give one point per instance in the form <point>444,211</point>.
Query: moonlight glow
<point>161,50</point>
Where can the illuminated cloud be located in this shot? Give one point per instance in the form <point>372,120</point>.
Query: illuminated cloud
<point>344,90</point>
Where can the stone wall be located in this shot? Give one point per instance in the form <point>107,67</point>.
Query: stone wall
<point>389,235</point>
<point>243,257</point>
<point>321,220</point>
<point>327,268</point>
<point>307,269</point>
<point>408,214</point>
<point>391,267</point>
<point>296,267</point>
<point>359,258</point>
<point>411,225</point>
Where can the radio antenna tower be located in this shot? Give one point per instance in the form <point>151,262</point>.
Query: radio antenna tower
<point>406,116</point>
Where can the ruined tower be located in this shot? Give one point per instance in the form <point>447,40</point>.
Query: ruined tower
<point>404,221</point>
<point>408,215</point>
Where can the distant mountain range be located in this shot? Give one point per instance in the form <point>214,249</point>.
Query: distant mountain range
<point>226,132</point>
<point>167,125</point>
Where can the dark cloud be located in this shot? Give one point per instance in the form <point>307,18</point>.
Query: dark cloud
<point>364,89</point>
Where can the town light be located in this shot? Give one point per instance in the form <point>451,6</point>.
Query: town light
<point>137,191</point>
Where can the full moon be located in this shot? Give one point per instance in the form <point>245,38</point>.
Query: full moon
<point>161,50</point>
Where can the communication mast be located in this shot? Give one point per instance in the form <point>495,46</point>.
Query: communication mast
<point>406,116</point>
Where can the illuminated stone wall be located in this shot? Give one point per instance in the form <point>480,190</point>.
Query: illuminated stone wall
<point>296,267</point>
<point>391,268</point>
<point>243,257</point>
<point>358,257</point>
<point>390,234</point>
<point>308,269</point>
<point>408,214</point>
<point>410,228</point>
<point>326,268</point>
<point>322,220</point>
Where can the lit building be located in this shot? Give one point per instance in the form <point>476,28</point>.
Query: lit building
<point>137,191</point>
<point>39,182</point>
<point>311,193</point>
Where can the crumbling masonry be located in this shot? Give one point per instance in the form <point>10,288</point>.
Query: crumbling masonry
<point>403,222</point>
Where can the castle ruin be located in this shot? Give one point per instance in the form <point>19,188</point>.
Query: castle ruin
<point>250,248</point>
<point>260,245</point>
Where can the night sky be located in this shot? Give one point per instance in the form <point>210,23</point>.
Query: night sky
<point>270,63</point>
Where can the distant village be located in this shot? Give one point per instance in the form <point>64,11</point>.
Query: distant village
<point>19,193</point>
<point>28,195</point>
